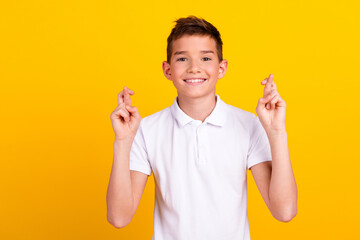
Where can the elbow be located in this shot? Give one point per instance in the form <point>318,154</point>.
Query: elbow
<point>287,216</point>
<point>284,213</point>
<point>119,223</point>
<point>119,219</point>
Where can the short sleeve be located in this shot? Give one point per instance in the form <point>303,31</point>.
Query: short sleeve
<point>259,147</point>
<point>139,160</point>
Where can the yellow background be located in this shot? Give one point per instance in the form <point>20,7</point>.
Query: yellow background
<point>62,64</point>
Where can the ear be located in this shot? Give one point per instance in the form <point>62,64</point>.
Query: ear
<point>166,70</point>
<point>222,68</point>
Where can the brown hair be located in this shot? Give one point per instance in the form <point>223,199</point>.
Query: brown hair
<point>194,26</point>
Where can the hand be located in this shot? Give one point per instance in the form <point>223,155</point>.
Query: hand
<point>271,108</point>
<point>125,118</point>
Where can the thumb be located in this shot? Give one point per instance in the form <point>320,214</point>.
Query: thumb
<point>264,100</point>
<point>134,111</point>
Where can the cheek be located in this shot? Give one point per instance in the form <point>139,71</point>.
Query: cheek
<point>176,71</point>
<point>214,71</point>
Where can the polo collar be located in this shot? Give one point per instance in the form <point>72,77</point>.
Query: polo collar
<point>217,116</point>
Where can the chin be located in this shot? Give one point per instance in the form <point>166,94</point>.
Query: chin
<point>195,94</point>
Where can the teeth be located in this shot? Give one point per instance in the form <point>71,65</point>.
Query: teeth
<point>195,80</point>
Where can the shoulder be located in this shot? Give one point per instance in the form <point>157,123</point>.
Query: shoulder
<point>246,120</point>
<point>239,115</point>
<point>160,118</point>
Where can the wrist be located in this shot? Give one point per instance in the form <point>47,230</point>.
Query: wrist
<point>276,133</point>
<point>123,142</point>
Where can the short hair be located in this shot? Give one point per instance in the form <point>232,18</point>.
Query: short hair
<point>194,26</point>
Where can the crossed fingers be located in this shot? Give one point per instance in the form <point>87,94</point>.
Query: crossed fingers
<point>271,96</point>
<point>125,100</point>
<point>124,96</point>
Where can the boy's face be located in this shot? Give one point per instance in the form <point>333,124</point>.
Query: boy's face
<point>194,58</point>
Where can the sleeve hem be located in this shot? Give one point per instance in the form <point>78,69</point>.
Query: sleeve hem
<point>257,161</point>
<point>140,169</point>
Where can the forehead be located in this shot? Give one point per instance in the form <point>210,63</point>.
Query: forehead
<point>192,43</point>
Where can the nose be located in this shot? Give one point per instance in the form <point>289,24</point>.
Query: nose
<point>194,67</point>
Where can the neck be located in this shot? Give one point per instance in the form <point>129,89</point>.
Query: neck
<point>197,108</point>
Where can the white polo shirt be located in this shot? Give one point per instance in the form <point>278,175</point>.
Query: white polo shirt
<point>200,170</point>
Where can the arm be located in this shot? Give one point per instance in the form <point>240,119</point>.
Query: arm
<point>125,186</point>
<point>275,180</point>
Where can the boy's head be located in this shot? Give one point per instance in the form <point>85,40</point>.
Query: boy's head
<point>195,61</point>
<point>193,26</point>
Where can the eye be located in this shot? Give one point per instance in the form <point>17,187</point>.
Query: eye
<point>181,59</point>
<point>206,59</point>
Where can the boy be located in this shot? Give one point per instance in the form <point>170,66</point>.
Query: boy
<point>199,148</point>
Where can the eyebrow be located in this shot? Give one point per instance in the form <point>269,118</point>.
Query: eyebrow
<point>203,51</point>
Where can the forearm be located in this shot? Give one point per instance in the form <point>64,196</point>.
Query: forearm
<point>119,196</point>
<point>282,189</point>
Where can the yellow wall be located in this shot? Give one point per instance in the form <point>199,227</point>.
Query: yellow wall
<point>62,64</point>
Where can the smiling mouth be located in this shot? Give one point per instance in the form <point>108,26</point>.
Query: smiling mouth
<point>197,81</point>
